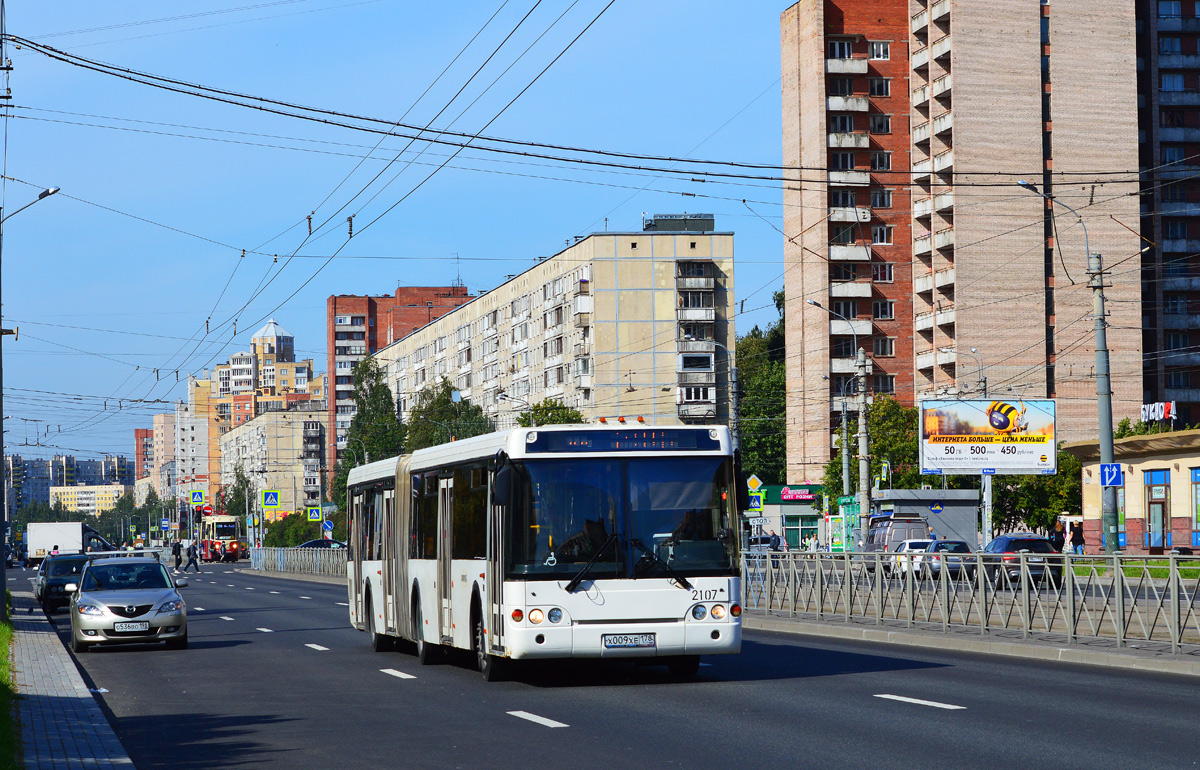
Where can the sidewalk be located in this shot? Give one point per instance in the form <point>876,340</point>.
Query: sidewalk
<point>1141,656</point>
<point>62,725</point>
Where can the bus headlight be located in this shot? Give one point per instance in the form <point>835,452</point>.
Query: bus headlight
<point>555,615</point>
<point>718,611</point>
<point>698,612</point>
<point>536,616</point>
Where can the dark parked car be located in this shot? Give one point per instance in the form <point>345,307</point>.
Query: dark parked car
<point>322,544</point>
<point>955,555</point>
<point>53,574</point>
<point>1002,557</point>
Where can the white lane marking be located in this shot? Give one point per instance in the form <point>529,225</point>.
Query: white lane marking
<point>265,630</point>
<point>537,719</point>
<point>248,588</point>
<point>305,597</point>
<point>198,609</point>
<point>341,604</point>
<point>226,617</point>
<point>919,702</point>
<point>230,585</point>
<point>274,592</point>
<point>317,647</point>
<point>397,674</point>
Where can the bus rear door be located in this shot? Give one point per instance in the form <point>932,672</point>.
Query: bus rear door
<point>445,550</point>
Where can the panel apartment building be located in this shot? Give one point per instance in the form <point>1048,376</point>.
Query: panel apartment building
<point>633,325</point>
<point>284,451</point>
<point>998,91</point>
<point>358,326</point>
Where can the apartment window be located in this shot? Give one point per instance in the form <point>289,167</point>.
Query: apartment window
<point>841,161</point>
<point>883,309</point>
<point>839,273</point>
<point>696,395</point>
<point>1179,378</point>
<point>1170,45</point>
<point>884,347</point>
<point>841,86</point>
<point>881,199</point>
<point>1170,81</point>
<point>841,198</point>
<point>840,49</point>
<point>1170,118</point>
<point>693,299</point>
<point>881,161</point>
<point>882,272</point>
<point>1176,340</point>
<point>881,234</point>
<point>1174,193</point>
<point>1176,268</point>
<point>843,347</point>
<point>881,124</point>
<point>841,124</point>
<point>696,362</point>
<point>880,50</point>
<point>879,86</point>
<point>843,234</point>
<point>1169,9</point>
<point>1175,304</point>
<point>885,383</point>
<point>341,319</point>
<point>847,308</point>
<point>1175,229</point>
<point>696,331</point>
<point>1173,154</point>
<point>695,269</point>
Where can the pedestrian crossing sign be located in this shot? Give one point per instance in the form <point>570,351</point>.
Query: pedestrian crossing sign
<point>270,498</point>
<point>198,497</point>
<point>314,513</point>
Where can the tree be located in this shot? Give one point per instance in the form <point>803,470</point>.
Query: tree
<point>550,411</point>
<point>292,530</point>
<point>762,386</point>
<point>1037,501</point>
<point>375,431</point>
<point>437,418</point>
<point>893,431</point>
<point>232,497</point>
<point>1126,428</point>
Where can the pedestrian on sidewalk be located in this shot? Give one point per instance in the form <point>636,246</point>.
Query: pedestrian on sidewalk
<point>192,553</point>
<point>177,552</point>
<point>1077,538</point>
<point>1058,536</point>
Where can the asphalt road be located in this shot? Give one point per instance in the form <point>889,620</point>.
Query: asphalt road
<point>275,678</point>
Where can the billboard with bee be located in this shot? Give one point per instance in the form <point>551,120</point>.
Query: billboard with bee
<point>1009,436</point>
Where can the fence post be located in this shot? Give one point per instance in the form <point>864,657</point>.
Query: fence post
<point>793,584</point>
<point>1026,620</point>
<point>944,590</point>
<point>1173,592</point>
<point>847,586</point>
<point>907,559</point>
<point>981,600</point>
<point>1119,592</point>
<point>770,583</point>
<point>1068,583</point>
<point>820,588</point>
<point>878,581</point>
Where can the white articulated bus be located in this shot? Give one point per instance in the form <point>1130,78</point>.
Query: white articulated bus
<point>552,542</point>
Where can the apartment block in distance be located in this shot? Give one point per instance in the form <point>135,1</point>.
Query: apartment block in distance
<point>92,499</point>
<point>359,326</point>
<point>143,452</point>
<point>847,213</point>
<point>1169,78</point>
<point>1001,91</point>
<point>283,450</point>
<point>634,326</point>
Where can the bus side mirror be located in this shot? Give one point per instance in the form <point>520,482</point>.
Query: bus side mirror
<point>502,485</point>
<point>739,478</point>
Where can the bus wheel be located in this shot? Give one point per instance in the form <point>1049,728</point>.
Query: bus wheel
<point>427,653</point>
<point>379,642</point>
<point>489,665</point>
<point>685,666</point>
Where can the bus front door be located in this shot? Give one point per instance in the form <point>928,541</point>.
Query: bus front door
<point>389,559</point>
<point>445,550</point>
<point>357,542</point>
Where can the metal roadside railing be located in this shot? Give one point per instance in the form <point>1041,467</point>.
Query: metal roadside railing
<point>1128,599</point>
<point>308,561</point>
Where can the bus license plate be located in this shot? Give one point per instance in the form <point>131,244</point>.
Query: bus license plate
<point>142,626</point>
<point>613,641</point>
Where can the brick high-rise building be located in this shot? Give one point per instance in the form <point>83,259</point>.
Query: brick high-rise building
<point>1000,91</point>
<point>143,452</point>
<point>358,326</point>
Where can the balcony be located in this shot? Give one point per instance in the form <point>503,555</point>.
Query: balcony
<point>1179,98</point>
<point>922,245</point>
<point>1179,209</point>
<point>703,314</point>
<point>849,214</point>
<point>943,201</point>
<point>1181,321</point>
<point>943,123</point>
<point>923,208</point>
<point>1178,172</point>
<point>944,317</point>
<point>695,346</point>
<point>1179,134</point>
<point>697,411</point>
<point>1190,246</point>
<point>923,283</point>
<point>856,140</point>
<point>943,162</point>
<point>1183,394</point>
<point>944,278</point>
<point>860,327</point>
<point>583,380</point>
<point>849,178</point>
<point>582,349</point>
<point>946,357</point>
<point>850,290</point>
<point>944,239</point>
<point>697,283</point>
<point>923,322</point>
<point>848,252</point>
<point>1176,61</point>
<point>846,103</point>
<point>1181,284</point>
<point>920,170</point>
<point>940,47</point>
<point>920,21</point>
<point>843,365</point>
<point>1179,24</point>
<point>697,378</point>
<point>939,10</point>
<point>940,87</point>
<point>1180,358</point>
<point>920,96</point>
<point>920,59</point>
<point>926,358</point>
<point>920,133</point>
<point>846,66</point>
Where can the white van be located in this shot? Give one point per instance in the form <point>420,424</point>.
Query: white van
<point>886,533</point>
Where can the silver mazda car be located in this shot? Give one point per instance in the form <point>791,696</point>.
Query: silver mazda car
<point>127,600</point>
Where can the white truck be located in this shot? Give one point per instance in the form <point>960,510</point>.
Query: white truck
<point>43,537</point>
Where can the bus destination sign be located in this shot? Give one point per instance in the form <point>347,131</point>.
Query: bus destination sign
<point>637,440</point>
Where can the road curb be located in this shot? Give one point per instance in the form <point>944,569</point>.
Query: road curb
<point>1028,650</point>
<point>328,579</point>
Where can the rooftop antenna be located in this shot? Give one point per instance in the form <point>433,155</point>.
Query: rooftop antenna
<point>458,282</point>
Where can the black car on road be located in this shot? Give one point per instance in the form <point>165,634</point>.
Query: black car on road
<point>1002,557</point>
<point>53,574</point>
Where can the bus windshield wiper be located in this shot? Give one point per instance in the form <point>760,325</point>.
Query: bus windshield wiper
<point>680,579</point>
<point>575,581</point>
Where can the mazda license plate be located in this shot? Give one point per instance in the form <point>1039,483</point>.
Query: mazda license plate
<point>140,626</point>
<point>616,641</point>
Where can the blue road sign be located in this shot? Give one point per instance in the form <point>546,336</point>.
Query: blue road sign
<point>327,526</point>
<point>936,506</point>
<point>166,523</point>
<point>314,513</point>
<point>198,497</point>
<point>1111,475</point>
<point>270,498</point>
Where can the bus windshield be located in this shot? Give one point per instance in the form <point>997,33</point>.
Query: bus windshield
<point>225,530</point>
<point>638,516</point>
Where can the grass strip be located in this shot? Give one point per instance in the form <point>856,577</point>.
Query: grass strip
<point>10,745</point>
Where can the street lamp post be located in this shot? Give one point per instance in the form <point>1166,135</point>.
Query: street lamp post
<point>4,332</point>
<point>502,396</point>
<point>1108,495</point>
<point>845,439</point>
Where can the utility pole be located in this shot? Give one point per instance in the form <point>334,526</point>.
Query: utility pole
<point>845,450</point>
<point>864,459</point>
<point>1108,495</point>
<point>733,403</point>
<point>985,488</point>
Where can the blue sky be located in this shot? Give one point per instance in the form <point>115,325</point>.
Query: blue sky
<point>118,279</point>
